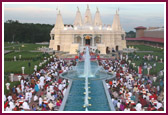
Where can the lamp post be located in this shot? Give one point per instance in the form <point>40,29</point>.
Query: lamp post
<point>11,77</point>
<point>23,70</point>
<point>148,69</point>
<point>161,60</point>
<point>19,77</point>
<point>35,68</point>
<point>129,61</point>
<point>7,86</point>
<point>14,58</point>
<point>133,64</point>
<point>20,56</point>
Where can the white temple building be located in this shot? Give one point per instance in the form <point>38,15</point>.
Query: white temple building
<point>87,32</point>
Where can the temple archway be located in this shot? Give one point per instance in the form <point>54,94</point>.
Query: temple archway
<point>107,50</point>
<point>87,40</point>
<point>58,47</point>
<point>117,48</point>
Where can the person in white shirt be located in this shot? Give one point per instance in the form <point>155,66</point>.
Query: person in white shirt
<point>51,105</point>
<point>7,86</point>
<point>25,105</point>
<point>30,96</point>
<point>138,106</point>
<point>35,98</point>
<point>49,95</point>
<point>12,105</point>
<point>18,90</point>
<point>9,98</point>
<point>22,85</point>
<point>40,101</point>
<point>60,87</point>
<point>27,96</point>
<point>118,104</point>
<point>42,82</point>
<point>159,105</point>
<point>8,108</point>
<point>64,91</point>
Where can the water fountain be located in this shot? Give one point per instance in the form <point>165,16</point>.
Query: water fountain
<point>90,74</point>
<point>87,73</point>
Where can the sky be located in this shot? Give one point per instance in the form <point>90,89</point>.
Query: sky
<point>131,15</point>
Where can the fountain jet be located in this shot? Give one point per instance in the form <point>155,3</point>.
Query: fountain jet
<point>87,73</point>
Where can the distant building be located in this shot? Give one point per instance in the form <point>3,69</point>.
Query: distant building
<point>153,36</point>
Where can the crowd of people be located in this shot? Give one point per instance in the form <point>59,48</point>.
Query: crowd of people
<point>131,91</point>
<point>44,90</point>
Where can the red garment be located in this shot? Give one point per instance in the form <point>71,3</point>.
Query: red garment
<point>98,57</point>
<point>59,81</point>
<point>6,104</point>
<point>155,96</point>
<point>60,71</point>
<point>143,102</point>
<point>140,70</point>
<point>118,75</point>
<point>15,109</point>
<point>76,57</point>
<point>132,109</point>
<point>150,97</point>
<point>149,108</point>
<point>110,82</point>
<point>45,87</point>
<point>44,109</point>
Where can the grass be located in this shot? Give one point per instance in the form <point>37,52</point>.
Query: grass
<point>156,52</point>
<point>12,84</point>
<point>146,48</point>
<point>25,54</point>
<point>15,66</point>
<point>6,44</point>
<point>27,47</point>
<point>11,66</point>
<point>159,66</point>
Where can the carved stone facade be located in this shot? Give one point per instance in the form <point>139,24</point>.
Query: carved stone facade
<point>87,33</point>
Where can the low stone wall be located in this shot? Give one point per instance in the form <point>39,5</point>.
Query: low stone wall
<point>66,96</point>
<point>108,96</point>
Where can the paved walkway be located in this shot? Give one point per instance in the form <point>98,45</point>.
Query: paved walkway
<point>15,77</point>
<point>12,46</point>
<point>7,51</point>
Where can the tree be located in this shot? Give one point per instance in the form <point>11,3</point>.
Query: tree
<point>26,32</point>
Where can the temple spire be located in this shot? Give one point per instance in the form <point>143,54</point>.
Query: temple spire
<point>97,18</point>
<point>116,26</point>
<point>78,18</point>
<point>87,6</point>
<point>59,22</point>
<point>88,17</point>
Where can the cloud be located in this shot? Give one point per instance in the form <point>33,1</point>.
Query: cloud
<point>131,15</point>
<point>28,9</point>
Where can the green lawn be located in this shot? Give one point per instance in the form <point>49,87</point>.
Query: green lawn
<point>146,48</point>
<point>26,47</point>
<point>11,66</point>
<point>6,44</point>
<point>15,66</point>
<point>24,55</point>
<point>156,52</point>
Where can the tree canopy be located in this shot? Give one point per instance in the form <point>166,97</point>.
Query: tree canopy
<point>26,32</point>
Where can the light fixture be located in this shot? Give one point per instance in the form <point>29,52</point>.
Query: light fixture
<point>75,28</point>
<point>65,28</point>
